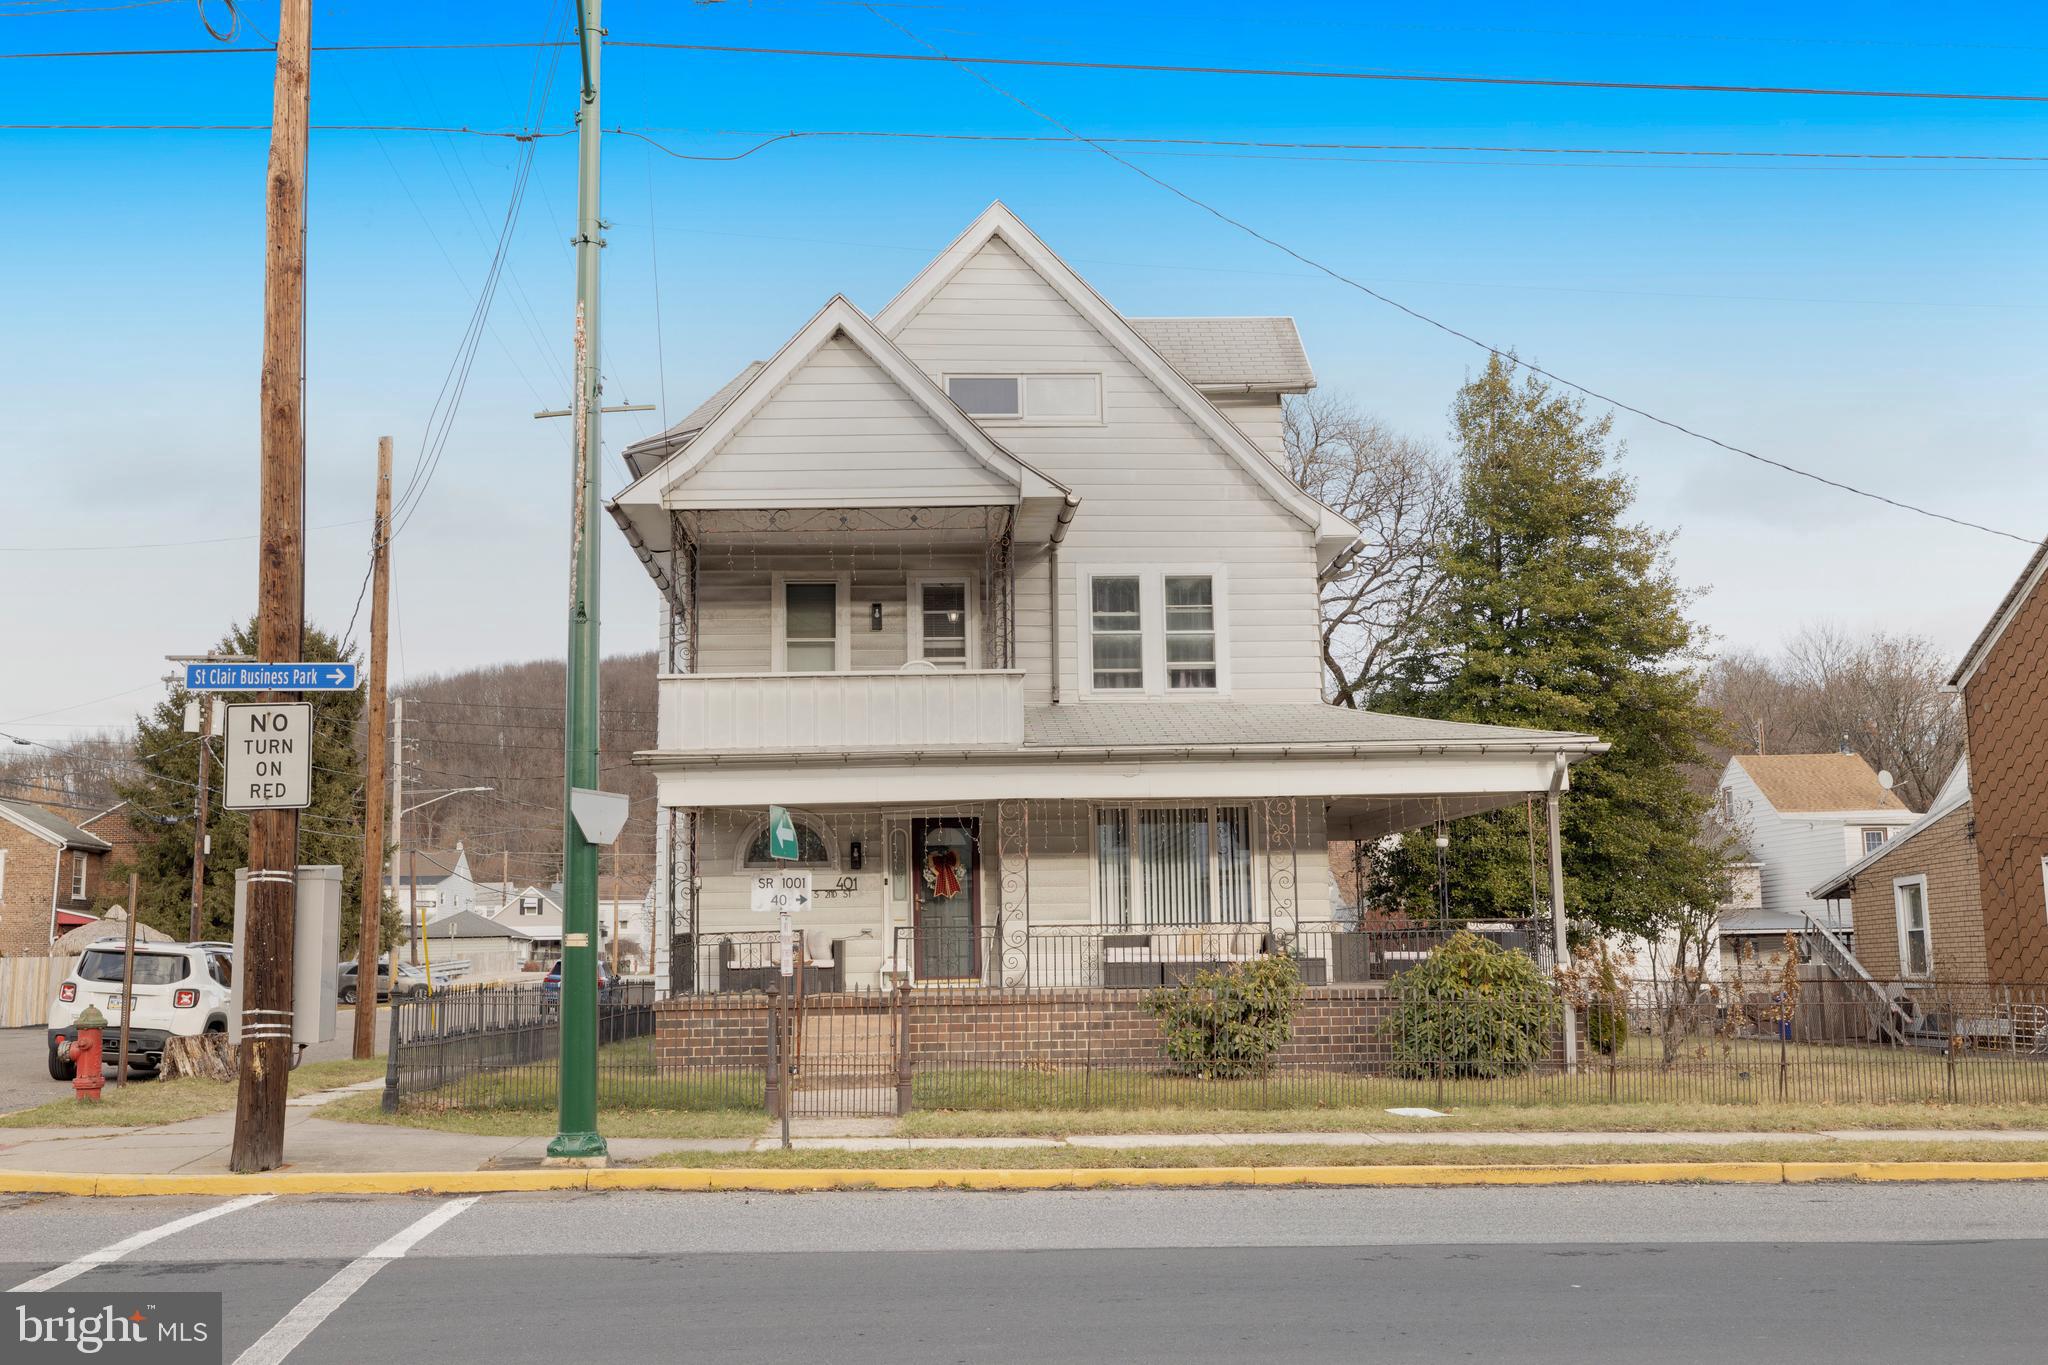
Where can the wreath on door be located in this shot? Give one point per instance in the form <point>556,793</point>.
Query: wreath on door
<point>942,873</point>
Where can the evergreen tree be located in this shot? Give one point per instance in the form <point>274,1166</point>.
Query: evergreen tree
<point>1560,614</point>
<point>163,789</point>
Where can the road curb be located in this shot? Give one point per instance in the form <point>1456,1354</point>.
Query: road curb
<point>704,1178</point>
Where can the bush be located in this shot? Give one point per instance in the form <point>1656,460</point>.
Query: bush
<point>1471,1010</point>
<point>1607,1011</point>
<point>1229,1021</point>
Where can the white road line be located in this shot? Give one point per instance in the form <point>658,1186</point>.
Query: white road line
<point>294,1327</point>
<point>51,1279</point>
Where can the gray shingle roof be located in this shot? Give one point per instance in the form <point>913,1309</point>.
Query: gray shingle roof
<point>678,436</point>
<point>468,924</point>
<point>1115,725</point>
<point>1260,353</point>
<point>56,826</point>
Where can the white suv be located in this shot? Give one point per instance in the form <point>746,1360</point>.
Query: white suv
<point>180,990</point>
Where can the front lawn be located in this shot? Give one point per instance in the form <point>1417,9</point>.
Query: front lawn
<point>701,1121</point>
<point>143,1104</point>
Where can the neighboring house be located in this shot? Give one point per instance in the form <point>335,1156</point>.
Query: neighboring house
<point>1804,817</point>
<point>114,926</point>
<point>50,871</point>
<point>437,881</point>
<point>1915,900</point>
<point>1010,598</point>
<point>114,825</point>
<point>2006,717</point>
<point>489,947</point>
<point>534,914</point>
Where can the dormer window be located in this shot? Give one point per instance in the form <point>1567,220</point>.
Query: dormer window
<point>1046,399</point>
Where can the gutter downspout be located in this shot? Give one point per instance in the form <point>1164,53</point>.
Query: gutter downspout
<point>1052,562</point>
<point>1340,563</point>
<point>1558,781</point>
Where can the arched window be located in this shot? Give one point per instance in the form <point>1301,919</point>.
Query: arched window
<point>813,847</point>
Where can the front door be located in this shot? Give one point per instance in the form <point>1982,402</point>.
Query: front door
<point>946,886</point>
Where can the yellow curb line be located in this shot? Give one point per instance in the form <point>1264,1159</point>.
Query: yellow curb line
<point>998,1178</point>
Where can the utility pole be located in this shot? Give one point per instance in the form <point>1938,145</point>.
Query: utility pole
<point>369,880</point>
<point>576,1137</point>
<point>398,826</point>
<point>265,1059</point>
<point>206,705</point>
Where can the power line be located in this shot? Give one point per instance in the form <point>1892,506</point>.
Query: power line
<point>1508,356</point>
<point>1070,64</point>
<point>157,544</point>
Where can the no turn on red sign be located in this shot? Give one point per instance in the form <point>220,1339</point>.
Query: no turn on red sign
<point>269,756</point>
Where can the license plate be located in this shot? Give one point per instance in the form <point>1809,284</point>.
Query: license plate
<point>115,1003</point>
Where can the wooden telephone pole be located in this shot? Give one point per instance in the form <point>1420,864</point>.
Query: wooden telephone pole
<point>371,879</point>
<point>265,1055</point>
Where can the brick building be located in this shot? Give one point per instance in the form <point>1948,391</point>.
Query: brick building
<point>50,871</point>
<point>1915,902</point>
<point>2004,682</point>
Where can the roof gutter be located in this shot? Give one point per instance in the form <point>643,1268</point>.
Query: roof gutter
<point>1341,562</point>
<point>1052,572</point>
<point>1564,753</point>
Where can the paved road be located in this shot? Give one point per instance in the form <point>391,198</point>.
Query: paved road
<point>1547,1275</point>
<point>25,1059</point>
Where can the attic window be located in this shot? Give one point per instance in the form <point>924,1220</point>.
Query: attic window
<point>1050,399</point>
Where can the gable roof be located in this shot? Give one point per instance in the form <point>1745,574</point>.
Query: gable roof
<point>645,453</point>
<point>1263,354</point>
<point>2001,616</point>
<point>1333,533</point>
<point>47,824</point>
<point>433,864</point>
<point>1817,782</point>
<point>1954,796</point>
<point>838,318</point>
<point>469,924</point>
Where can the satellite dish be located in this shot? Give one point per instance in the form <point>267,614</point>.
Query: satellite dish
<point>1885,778</point>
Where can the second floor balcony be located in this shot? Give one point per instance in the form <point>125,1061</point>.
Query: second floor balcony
<point>910,709</point>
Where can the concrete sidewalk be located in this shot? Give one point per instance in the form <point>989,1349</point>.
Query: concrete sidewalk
<point>313,1144</point>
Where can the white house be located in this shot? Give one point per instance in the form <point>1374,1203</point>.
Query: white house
<point>1804,818</point>
<point>437,881</point>
<point>1009,597</point>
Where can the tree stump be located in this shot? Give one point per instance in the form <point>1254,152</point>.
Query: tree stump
<point>209,1055</point>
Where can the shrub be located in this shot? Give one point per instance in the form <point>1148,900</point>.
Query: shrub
<point>1472,1009</point>
<point>1607,1011</point>
<point>1229,1021</point>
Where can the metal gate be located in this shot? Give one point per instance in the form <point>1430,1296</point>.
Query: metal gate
<point>843,1053</point>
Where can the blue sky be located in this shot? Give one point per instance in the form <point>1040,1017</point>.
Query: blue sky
<point>1878,322</point>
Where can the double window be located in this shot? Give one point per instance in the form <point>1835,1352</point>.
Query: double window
<point>1173,865</point>
<point>1916,929</point>
<point>1152,632</point>
<point>1047,399</point>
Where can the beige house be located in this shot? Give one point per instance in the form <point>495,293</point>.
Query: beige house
<point>1915,899</point>
<point>1009,598</point>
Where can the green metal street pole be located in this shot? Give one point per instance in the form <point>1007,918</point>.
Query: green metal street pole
<point>576,1136</point>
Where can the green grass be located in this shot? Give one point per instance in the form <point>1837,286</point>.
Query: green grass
<point>143,1104</point>
<point>641,1121</point>
<point>1043,1158</point>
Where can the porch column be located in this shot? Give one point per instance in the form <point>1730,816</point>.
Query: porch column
<point>1551,803</point>
<point>1013,865</point>
<point>1282,873</point>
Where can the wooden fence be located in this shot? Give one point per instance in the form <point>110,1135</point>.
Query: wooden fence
<point>28,985</point>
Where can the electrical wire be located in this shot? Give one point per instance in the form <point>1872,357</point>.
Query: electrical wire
<point>1508,357</point>
<point>160,544</point>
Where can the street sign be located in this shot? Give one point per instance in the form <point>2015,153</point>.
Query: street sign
<point>269,752</point>
<point>781,835</point>
<point>781,892</point>
<point>302,677</point>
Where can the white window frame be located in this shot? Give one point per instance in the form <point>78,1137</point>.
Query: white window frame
<point>3,877</point>
<point>913,609</point>
<point>2044,878</point>
<point>825,832</point>
<point>78,874</point>
<point>1899,886</point>
<point>1255,910</point>
<point>1152,626</point>
<point>1884,836</point>
<point>778,618</point>
<point>1022,417</point>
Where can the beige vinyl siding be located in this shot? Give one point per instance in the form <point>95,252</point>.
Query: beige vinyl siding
<point>736,595</point>
<point>1156,490</point>
<point>840,427</point>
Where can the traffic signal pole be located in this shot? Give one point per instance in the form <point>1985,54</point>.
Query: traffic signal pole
<point>576,1136</point>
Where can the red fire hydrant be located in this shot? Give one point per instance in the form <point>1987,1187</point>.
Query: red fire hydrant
<point>85,1054</point>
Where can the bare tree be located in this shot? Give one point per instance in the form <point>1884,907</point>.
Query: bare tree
<point>1400,493</point>
<point>1760,704</point>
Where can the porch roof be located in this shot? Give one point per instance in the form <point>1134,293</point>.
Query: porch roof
<point>1284,725</point>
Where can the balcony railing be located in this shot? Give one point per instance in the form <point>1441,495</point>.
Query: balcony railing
<point>1054,957</point>
<point>909,710</point>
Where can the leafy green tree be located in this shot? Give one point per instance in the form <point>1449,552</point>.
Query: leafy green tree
<point>163,790</point>
<point>1559,613</point>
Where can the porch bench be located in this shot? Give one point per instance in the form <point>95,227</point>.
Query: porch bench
<point>765,974</point>
<point>1128,963</point>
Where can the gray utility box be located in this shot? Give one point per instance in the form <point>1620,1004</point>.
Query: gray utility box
<point>316,954</point>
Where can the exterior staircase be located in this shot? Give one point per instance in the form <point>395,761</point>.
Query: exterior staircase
<point>1887,1018</point>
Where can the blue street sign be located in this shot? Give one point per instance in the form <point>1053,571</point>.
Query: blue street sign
<point>218,677</point>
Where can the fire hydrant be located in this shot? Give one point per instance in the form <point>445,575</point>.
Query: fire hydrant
<point>85,1055</point>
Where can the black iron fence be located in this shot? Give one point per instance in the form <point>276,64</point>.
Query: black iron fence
<point>1823,1041</point>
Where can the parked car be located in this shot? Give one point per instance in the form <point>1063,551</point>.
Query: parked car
<point>180,990</point>
<point>412,982</point>
<point>607,983</point>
